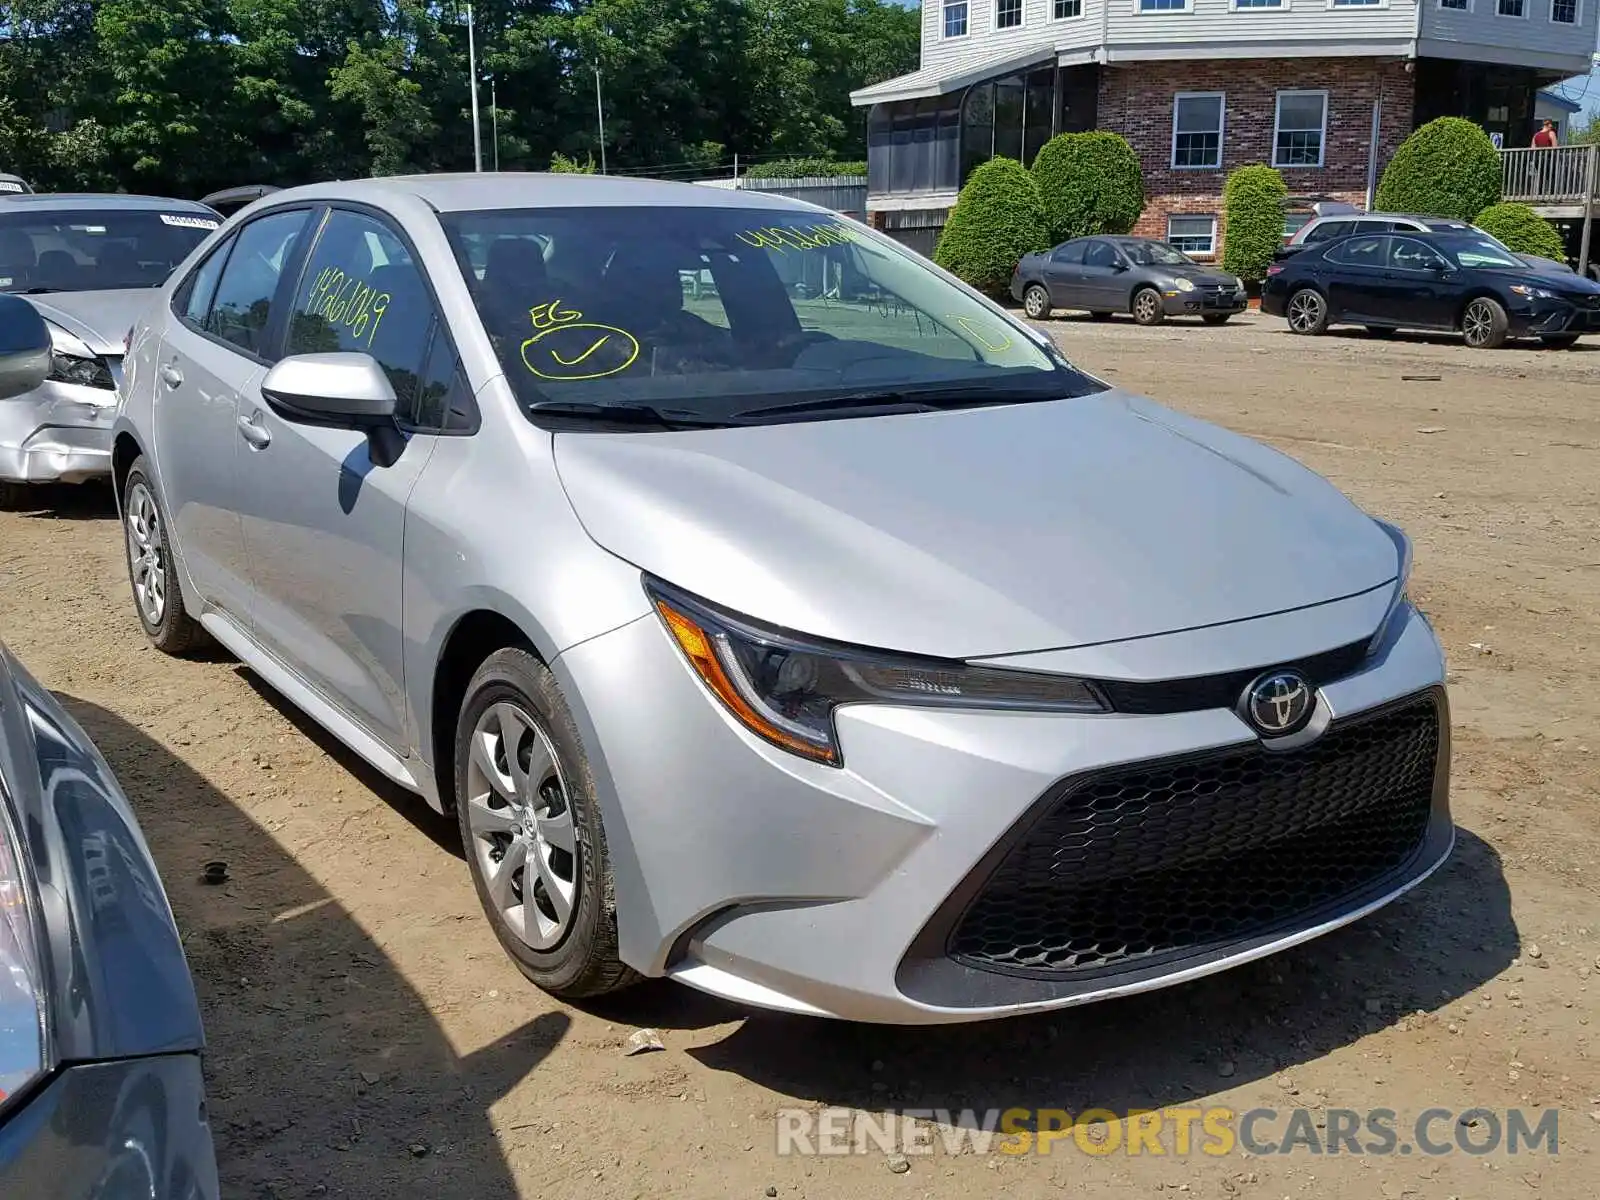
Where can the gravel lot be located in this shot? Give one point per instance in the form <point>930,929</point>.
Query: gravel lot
<point>368,1039</point>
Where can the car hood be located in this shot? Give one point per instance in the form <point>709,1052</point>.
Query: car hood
<point>978,532</point>
<point>1195,274</point>
<point>100,319</point>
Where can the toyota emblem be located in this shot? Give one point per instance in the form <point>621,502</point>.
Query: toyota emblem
<point>1279,703</point>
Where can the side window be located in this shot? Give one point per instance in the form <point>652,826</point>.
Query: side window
<point>1361,252</point>
<point>443,402</point>
<point>361,292</point>
<point>1070,253</point>
<point>1406,254</point>
<point>201,286</point>
<point>1329,230</point>
<point>243,303</point>
<point>1099,254</point>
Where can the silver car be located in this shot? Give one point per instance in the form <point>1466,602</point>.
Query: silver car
<point>828,642</point>
<point>88,264</point>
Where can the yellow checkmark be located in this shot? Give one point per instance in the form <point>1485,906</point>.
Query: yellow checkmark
<point>572,362</point>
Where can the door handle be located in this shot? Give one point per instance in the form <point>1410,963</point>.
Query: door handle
<point>171,376</point>
<point>253,432</point>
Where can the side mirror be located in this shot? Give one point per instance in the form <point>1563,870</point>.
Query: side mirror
<point>25,348</point>
<point>1118,266</point>
<point>338,391</point>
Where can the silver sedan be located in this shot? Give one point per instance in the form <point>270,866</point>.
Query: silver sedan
<point>88,263</point>
<point>821,638</point>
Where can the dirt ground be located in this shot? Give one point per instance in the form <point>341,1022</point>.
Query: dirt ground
<point>368,1039</point>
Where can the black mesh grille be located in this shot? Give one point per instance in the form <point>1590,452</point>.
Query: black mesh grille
<point>1159,861</point>
<point>1223,691</point>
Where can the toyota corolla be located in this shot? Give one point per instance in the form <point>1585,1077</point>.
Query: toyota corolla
<point>776,613</point>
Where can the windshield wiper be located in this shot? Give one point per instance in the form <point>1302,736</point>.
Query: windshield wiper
<point>917,400</point>
<point>624,414</point>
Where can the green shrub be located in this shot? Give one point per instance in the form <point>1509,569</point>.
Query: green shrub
<point>1524,230</point>
<point>560,164</point>
<point>804,168</point>
<point>1252,220</point>
<point>997,219</point>
<point>1448,168</point>
<point>1089,183</point>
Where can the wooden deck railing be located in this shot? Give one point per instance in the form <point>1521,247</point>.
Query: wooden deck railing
<point>1553,175</point>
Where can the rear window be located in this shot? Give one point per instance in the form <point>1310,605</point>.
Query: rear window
<point>712,310</point>
<point>92,250</point>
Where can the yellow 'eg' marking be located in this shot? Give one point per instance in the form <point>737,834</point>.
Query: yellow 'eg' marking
<point>617,350</point>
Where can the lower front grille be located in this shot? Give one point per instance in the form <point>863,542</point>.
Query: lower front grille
<point>1158,861</point>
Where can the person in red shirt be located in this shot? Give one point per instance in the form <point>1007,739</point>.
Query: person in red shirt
<point>1546,137</point>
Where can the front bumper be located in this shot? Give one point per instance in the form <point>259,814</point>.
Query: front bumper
<point>1553,318</point>
<point>136,1127</point>
<point>59,433</point>
<point>1203,302</point>
<point>772,881</point>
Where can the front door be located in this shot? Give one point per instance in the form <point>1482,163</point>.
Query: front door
<point>1418,288</point>
<point>323,525</point>
<point>210,355</point>
<point>1104,285</point>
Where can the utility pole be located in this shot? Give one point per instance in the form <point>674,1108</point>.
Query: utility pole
<point>472,69</point>
<point>494,120</point>
<point>600,114</point>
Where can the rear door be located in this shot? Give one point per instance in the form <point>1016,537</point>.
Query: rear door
<point>1064,275</point>
<point>1358,266</point>
<point>210,354</point>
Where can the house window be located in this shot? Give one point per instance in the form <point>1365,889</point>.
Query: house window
<point>1197,129</point>
<point>955,18</point>
<point>1007,14</point>
<point>1300,129</point>
<point>1564,12</point>
<point>1238,4</point>
<point>1458,5</point>
<point>1164,5</point>
<point>1357,3</point>
<point>1067,9</point>
<point>1192,234</point>
<point>1513,8</point>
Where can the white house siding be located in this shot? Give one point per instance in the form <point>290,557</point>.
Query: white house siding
<point>1299,27</point>
<point>984,42</point>
<point>1481,34</point>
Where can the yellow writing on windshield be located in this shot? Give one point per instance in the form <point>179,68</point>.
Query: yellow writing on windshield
<point>784,238</point>
<point>348,302</point>
<point>568,348</point>
<point>991,337</point>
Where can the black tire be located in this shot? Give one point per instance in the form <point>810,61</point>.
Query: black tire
<point>1307,312</point>
<point>1560,341</point>
<point>1146,307</point>
<point>1484,323</point>
<point>584,961</point>
<point>16,497</point>
<point>1216,318</point>
<point>1099,314</point>
<point>171,630</point>
<point>1036,302</point>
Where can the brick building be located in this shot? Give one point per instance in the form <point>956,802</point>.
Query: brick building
<point>1322,89</point>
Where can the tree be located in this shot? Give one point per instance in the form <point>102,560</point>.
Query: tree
<point>560,164</point>
<point>1447,168</point>
<point>997,219</point>
<point>1252,220</point>
<point>1522,229</point>
<point>1089,183</point>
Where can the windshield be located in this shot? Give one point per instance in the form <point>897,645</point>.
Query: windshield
<point>1479,250</point>
<point>722,313</point>
<point>1159,254</point>
<point>88,250</point>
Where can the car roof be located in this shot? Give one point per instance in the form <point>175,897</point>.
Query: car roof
<point>104,201</point>
<point>474,191</point>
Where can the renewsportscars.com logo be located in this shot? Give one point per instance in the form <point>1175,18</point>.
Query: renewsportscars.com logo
<point>1174,1132</point>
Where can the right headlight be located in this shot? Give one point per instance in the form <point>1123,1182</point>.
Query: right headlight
<point>22,998</point>
<point>785,688</point>
<point>71,361</point>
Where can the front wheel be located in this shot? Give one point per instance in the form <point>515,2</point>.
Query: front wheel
<point>1036,301</point>
<point>1147,308</point>
<point>1561,341</point>
<point>1484,324</point>
<point>1307,312</point>
<point>157,592</point>
<point>532,830</point>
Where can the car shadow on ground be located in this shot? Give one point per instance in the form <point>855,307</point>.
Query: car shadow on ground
<point>1161,1048</point>
<point>93,501</point>
<point>1408,337</point>
<point>367,1096</point>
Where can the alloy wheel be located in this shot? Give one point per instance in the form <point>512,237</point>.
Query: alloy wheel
<point>1305,312</point>
<point>521,825</point>
<point>1144,307</point>
<point>147,553</point>
<point>1478,323</point>
<point>1036,303</point>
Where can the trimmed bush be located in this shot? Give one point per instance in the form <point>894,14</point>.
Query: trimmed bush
<point>1448,168</point>
<point>804,168</point>
<point>1524,230</point>
<point>1089,183</point>
<point>1252,215</point>
<point>997,219</point>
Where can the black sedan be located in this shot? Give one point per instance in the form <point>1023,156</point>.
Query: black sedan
<point>1106,275</point>
<point>1434,281</point>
